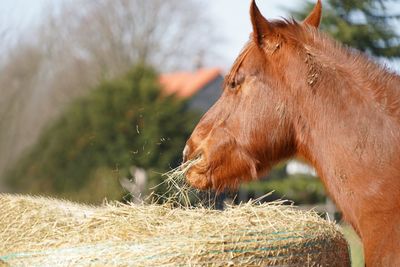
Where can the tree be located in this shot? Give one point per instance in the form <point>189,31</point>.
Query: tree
<point>122,123</point>
<point>79,43</point>
<point>366,25</point>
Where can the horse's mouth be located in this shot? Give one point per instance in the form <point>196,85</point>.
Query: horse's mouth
<point>196,173</point>
<point>198,180</point>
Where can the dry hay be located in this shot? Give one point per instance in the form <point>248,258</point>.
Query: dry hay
<point>36,231</point>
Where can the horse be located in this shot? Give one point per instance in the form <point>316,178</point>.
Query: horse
<point>294,91</point>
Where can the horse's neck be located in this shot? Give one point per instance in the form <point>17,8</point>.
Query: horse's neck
<point>352,137</point>
<point>348,126</point>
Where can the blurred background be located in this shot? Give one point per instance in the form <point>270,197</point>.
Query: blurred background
<point>98,97</point>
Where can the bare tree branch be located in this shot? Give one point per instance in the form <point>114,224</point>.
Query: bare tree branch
<point>80,43</point>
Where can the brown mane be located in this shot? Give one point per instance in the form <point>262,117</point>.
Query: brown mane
<point>328,51</point>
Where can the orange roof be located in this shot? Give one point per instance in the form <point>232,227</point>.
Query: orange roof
<point>186,84</point>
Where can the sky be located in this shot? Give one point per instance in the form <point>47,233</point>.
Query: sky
<point>230,16</point>
<point>18,13</point>
<point>234,19</point>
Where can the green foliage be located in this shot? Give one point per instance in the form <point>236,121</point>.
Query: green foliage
<point>356,247</point>
<point>122,123</point>
<point>366,25</point>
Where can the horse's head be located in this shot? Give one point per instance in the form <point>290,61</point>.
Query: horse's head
<point>249,128</point>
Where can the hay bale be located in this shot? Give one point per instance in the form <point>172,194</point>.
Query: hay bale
<point>46,232</point>
<point>3,264</point>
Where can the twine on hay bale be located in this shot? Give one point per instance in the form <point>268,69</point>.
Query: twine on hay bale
<point>37,231</point>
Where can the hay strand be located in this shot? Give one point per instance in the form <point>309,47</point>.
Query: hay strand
<point>179,192</point>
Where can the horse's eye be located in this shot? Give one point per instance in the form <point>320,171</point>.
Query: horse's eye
<point>232,85</point>
<point>235,83</point>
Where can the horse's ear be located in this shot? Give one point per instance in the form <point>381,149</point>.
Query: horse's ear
<point>261,26</point>
<point>314,19</point>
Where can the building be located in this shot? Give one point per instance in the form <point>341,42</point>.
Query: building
<point>202,87</point>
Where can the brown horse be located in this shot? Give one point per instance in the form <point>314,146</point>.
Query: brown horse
<point>293,91</point>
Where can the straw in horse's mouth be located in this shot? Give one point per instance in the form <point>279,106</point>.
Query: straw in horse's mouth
<point>185,166</point>
<point>176,183</point>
